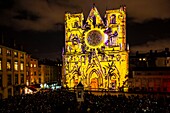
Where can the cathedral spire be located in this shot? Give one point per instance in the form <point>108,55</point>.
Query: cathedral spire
<point>94,17</point>
<point>93,5</point>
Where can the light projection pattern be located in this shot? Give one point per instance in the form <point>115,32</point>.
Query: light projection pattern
<point>95,52</point>
<point>94,38</point>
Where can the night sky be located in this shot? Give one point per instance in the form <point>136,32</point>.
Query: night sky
<point>38,25</point>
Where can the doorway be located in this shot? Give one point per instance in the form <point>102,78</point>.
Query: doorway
<point>94,84</point>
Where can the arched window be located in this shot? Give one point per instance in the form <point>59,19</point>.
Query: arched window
<point>113,19</point>
<point>76,25</point>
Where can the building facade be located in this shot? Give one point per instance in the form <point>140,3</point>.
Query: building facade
<point>34,71</point>
<point>49,72</point>
<point>150,71</point>
<point>150,79</point>
<point>96,52</point>
<point>12,71</point>
<point>18,71</point>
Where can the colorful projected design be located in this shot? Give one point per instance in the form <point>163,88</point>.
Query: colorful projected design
<point>94,38</point>
<point>95,52</point>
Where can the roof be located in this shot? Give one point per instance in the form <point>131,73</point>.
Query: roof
<point>151,69</point>
<point>80,85</point>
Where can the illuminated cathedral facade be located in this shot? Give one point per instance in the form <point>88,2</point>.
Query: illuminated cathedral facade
<point>96,53</point>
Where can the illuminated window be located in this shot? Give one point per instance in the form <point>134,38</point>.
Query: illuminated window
<point>60,64</point>
<point>8,52</point>
<point>22,55</point>
<point>16,65</point>
<point>15,54</point>
<point>144,59</point>
<point>0,64</point>
<point>140,59</point>
<point>30,65</point>
<point>8,65</point>
<point>27,73</point>
<point>22,66</point>
<point>35,65</point>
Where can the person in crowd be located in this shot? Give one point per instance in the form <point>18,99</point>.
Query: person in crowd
<point>65,102</point>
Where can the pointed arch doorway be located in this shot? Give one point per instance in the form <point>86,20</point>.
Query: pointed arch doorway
<point>94,84</point>
<point>94,80</point>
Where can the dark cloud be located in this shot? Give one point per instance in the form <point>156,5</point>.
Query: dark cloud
<point>160,44</point>
<point>42,15</point>
<point>34,23</point>
<point>150,35</point>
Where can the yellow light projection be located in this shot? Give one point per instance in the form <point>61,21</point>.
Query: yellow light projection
<point>95,51</point>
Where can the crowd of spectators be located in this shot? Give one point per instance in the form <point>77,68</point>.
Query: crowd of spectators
<point>65,102</point>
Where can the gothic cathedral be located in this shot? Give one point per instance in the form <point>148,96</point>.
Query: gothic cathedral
<point>95,52</point>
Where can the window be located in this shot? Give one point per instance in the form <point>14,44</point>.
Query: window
<point>144,59</point>
<point>35,73</point>
<point>9,80</point>
<point>8,65</point>
<point>0,64</point>
<point>8,52</point>
<point>30,65</point>
<point>22,66</point>
<point>39,80</point>
<point>1,80</point>
<point>9,92</point>
<point>35,65</point>
<point>22,78</point>
<point>31,73</point>
<point>16,65</point>
<point>113,19</point>
<point>167,61</point>
<point>27,73</point>
<point>15,54</point>
<point>16,78</point>
<point>0,50</point>
<point>22,55</point>
<point>76,24</point>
